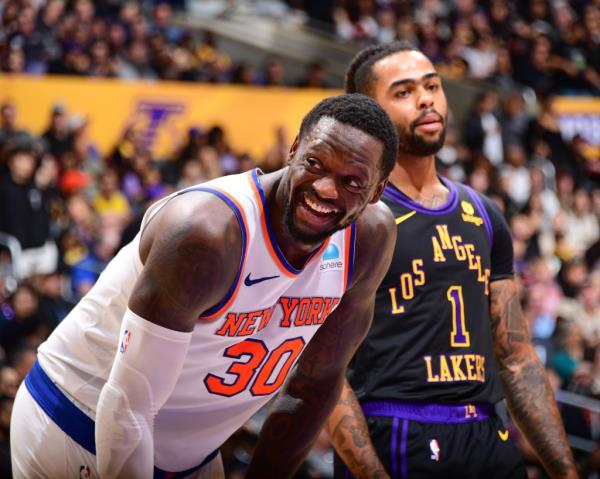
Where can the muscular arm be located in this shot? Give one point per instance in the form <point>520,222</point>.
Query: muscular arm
<point>529,396</point>
<point>185,272</point>
<point>314,385</point>
<point>349,434</point>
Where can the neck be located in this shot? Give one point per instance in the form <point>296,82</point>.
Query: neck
<point>415,174</point>
<point>417,178</point>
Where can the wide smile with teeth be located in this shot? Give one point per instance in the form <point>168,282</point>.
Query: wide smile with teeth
<point>318,208</point>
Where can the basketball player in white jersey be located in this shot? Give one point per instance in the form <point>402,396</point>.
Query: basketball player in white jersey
<point>230,287</point>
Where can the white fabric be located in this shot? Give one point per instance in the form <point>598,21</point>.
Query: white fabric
<point>53,454</point>
<point>145,369</point>
<point>195,421</point>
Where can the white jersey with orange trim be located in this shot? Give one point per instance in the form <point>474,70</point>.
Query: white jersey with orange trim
<point>241,350</point>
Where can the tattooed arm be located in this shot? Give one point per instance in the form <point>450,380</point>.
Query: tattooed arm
<point>349,434</point>
<point>529,397</point>
<point>314,385</point>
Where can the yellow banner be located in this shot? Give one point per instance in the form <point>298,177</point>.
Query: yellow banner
<point>162,112</point>
<point>580,116</point>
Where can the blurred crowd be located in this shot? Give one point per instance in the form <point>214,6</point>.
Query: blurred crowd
<point>65,208</point>
<point>125,39</point>
<point>550,46</point>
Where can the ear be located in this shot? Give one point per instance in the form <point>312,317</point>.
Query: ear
<point>293,149</point>
<point>378,191</point>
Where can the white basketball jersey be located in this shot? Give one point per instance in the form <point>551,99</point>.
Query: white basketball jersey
<point>241,350</point>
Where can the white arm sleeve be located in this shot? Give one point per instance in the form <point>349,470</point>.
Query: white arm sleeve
<point>148,362</point>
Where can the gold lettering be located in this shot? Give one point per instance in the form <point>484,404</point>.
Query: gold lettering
<point>395,308</point>
<point>431,378</point>
<point>469,248</point>
<point>438,256</point>
<point>417,265</point>
<point>444,236</point>
<point>458,374</point>
<point>406,283</point>
<point>445,375</point>
<point>459,249</point>
<point>469,359</point>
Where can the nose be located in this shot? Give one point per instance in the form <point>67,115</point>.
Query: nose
<point>425,99</point>
<point>325,188</point>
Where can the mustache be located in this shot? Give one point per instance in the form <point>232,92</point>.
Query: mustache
<point>429,111</point>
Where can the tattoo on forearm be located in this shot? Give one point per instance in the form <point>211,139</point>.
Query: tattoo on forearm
<point>528,393</point>
<point>350,434</point>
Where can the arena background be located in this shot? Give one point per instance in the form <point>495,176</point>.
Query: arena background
<point>121,102</point>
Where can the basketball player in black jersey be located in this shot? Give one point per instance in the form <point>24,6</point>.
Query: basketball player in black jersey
<point>448,339</point>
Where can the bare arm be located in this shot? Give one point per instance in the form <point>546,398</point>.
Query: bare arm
<point>349,434</point>
<point>315,384</point>
<point>529,397</point>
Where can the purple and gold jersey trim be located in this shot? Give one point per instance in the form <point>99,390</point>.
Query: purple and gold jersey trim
<point>270,240</point>
<point>430,412</point>
<point>396,195</point>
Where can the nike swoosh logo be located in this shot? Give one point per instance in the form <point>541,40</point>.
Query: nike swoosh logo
<point>249,281</point>
<point>402,218</point>
<point>503,435</point>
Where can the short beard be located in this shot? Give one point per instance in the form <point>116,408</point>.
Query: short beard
<point>310,238</point>
<point>417,146</point>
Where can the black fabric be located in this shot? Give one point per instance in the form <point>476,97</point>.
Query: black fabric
<point>414,351</point>
<point>472,450</point>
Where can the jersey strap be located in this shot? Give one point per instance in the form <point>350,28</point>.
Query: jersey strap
<point>429,412</point>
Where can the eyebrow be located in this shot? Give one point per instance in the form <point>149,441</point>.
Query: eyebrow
<point>404,81</point>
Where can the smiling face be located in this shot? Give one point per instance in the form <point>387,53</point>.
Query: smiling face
<point>335,171</point>
<point>407,86</point>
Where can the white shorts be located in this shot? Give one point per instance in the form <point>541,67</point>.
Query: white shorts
<point>40,449</point>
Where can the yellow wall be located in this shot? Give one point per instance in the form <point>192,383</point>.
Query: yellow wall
<point>249,115</point>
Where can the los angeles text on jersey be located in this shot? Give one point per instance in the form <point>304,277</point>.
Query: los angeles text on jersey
<point>295,312</point>
<point>443,244</point>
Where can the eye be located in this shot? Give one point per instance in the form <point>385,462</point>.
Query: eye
<point>353,184</point>
<point>402,93</point>
<point>313,163</point>
<point>433,87</point>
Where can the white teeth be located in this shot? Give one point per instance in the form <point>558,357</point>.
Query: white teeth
<point>317,207</point>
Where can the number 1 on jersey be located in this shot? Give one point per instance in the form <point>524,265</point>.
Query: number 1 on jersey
<point>459,337</point>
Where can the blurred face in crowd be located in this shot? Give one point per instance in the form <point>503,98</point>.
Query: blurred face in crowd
<point>22,165</point>
<point>410,90</point>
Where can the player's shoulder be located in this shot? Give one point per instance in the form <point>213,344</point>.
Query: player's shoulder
<point>375,216</point>
<point>375,234</point>
<point>195,216</point>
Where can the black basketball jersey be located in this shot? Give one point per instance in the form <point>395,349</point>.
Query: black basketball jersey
<point>431,335</point>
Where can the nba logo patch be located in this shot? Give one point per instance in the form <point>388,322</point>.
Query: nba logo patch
<point>84,472</point>
<point>125,341</point>
<point>434,446</point>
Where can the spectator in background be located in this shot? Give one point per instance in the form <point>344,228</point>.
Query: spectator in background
<point>315,76</point>
<point>581,227</point>
<point>517,175</point>
<point>277,154</point>
<point>482,128</point>
<point>10,134</point>
<point>58,136</point>
<point>24,214</point>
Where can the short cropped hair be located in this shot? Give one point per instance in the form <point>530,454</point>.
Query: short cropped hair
<point>362,113</point>
<point>359,75</point>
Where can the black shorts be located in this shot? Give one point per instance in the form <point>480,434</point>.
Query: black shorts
<point>412,449</point>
